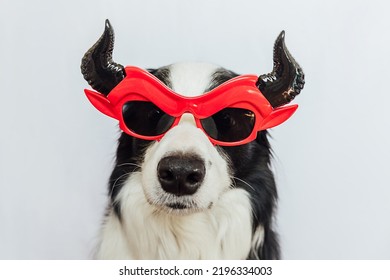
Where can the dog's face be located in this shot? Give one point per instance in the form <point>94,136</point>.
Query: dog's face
<point>183,172</point>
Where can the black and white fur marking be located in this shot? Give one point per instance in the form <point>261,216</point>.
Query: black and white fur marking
<point>230,216</point>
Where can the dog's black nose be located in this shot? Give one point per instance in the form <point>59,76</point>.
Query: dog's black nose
<point>181,174</point>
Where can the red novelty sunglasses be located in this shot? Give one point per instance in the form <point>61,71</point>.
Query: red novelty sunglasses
<point>230,114</point>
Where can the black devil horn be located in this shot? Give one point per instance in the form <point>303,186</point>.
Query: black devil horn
<point>97,66</point>
<point>286,79</point>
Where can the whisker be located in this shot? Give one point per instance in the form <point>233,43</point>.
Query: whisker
<point>249,185</point>
<point>137,166</point>
<point>116,181</point>
<point>131,164</point>
<point>245,182</point>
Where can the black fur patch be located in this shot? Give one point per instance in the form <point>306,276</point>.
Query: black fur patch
<point>163,74</point>
<point>219,77</point>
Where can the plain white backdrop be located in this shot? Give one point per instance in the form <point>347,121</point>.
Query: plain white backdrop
<point>331,158</point>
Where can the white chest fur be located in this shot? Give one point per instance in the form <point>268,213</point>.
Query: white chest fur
<point>222,232</point>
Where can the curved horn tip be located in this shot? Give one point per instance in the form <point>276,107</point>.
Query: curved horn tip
<point>280,39</point>
<point>107,24</point>
<point>282,35</point>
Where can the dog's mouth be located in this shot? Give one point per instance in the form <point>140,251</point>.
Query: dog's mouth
<point>177,206</point>
<point>180,208</point>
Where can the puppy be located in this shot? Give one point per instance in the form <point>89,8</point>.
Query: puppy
<point>192,177</point>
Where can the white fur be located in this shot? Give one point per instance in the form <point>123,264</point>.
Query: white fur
<point>257,240</point>
<point>191,79</point>
<point>147,232</point>
<point>217,222</point>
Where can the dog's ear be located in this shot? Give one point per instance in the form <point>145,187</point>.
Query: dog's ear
<point>278,116</point>
<point>100,102</point>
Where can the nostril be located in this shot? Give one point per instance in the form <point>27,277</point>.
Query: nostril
<point>195,177</point>
<point>165,174</point>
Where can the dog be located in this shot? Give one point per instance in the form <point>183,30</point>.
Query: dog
<point>193,184</point>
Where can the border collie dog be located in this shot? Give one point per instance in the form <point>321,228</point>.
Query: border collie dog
<point>183,196</point>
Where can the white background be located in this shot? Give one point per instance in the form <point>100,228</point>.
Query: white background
<point>331,158</point>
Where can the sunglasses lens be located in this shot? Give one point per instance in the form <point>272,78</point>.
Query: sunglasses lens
<point>145,118</point>
<point>229,124</point>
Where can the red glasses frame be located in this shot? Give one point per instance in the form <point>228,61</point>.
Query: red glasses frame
<point>239,92</point>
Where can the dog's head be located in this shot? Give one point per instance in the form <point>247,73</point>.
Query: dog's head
<point>185,160</point>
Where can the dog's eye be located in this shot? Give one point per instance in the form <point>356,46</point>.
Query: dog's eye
<point>229,124</point>
<point>145,118</point>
